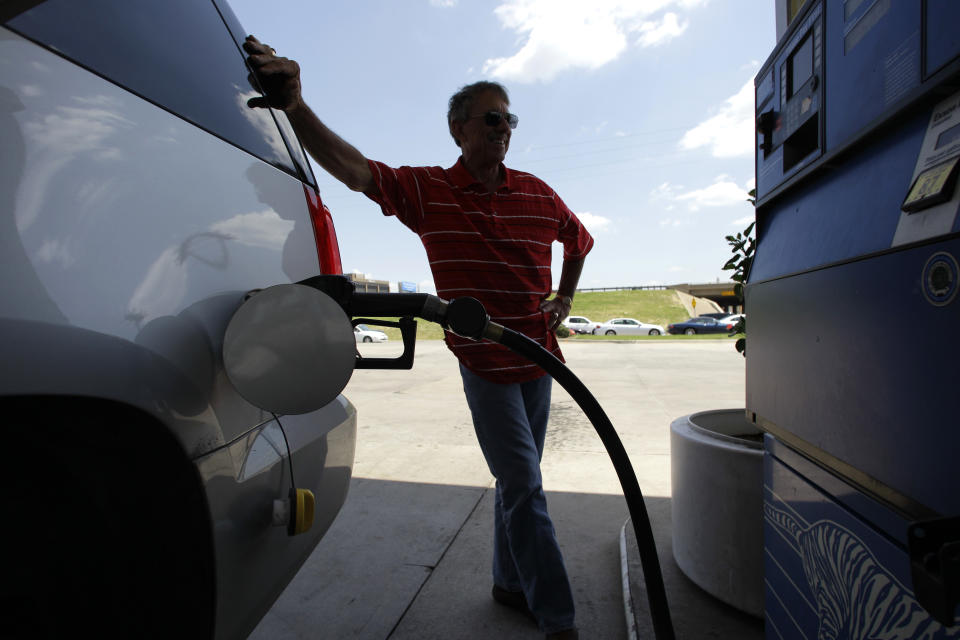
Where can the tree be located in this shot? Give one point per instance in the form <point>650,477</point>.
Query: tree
<point>742,246</point>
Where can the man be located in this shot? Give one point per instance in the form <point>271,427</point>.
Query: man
<point>487,231</point>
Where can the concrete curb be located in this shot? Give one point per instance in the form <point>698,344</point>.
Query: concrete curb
<point>692,610</point>
<point>625,581</point>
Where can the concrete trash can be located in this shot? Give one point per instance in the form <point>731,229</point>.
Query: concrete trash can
<point>716,463</point>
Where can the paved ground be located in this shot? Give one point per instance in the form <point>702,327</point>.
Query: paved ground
<point>409,555</point>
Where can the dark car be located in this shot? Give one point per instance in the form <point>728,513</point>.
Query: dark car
<point>700,324</point>
<point>141,199</point>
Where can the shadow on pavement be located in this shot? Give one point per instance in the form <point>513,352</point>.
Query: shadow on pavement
<point>411,561</point>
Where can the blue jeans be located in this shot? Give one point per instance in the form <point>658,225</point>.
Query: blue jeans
<point>511,423</point>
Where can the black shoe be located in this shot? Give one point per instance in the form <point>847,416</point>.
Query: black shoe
<point>512,599</point>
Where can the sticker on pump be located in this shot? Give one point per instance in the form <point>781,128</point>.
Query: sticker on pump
<point>933,186</point>
<point>930,206</point>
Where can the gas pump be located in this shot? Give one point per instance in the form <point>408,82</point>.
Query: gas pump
<point>854,313</point>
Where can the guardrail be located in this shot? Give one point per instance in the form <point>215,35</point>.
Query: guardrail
<point>651,287</point>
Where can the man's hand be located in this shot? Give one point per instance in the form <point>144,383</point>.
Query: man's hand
<point>558,308</point>
<point>278,77</point>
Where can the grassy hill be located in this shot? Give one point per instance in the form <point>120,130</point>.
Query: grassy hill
<point>659,307</point>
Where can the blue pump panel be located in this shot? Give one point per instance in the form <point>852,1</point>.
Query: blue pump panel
<point>942,18</point>
<point>789,101</point>
<point>875,55</point>
<point>853,300</point>
<point>857,361</point>
<point>852,210</point>
<point>830,572</point>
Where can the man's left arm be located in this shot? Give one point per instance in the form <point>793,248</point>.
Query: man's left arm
<point>559,306</point>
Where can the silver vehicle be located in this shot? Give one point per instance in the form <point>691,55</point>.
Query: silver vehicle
<point>627,327</point>
<point>141,200</point>
<point>579,324</point>
<point>363,333</point>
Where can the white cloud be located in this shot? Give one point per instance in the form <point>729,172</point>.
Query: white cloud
<point>665,191</point>
<point>559,35</point>
<point>444,4</point>
<point>740,222</point>
<point>671,222</point>
<point>55,251</point>
<point>58,138</point>
<point>655,33</point>
<point>258,229</point>
<point>722,193</point>
<point>729,133</point>
<point>593,222</point>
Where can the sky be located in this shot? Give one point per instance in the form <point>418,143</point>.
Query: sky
<point>638,113</point>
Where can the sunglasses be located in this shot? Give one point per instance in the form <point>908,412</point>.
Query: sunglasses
<point>493,118</point>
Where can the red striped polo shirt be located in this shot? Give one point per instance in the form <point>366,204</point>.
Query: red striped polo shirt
<point>495,247</point>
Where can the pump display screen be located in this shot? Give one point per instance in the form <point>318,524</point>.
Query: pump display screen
<point>948,137</point>
<point>933,186</point>
<point>801,65</point>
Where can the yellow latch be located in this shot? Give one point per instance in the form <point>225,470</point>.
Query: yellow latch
<point>302,504</point>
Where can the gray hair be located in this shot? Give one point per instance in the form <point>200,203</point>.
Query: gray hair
<point>462,100</point>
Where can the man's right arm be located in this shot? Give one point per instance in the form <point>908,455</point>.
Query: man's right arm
<point>337,156</point>
<point>280,80</point>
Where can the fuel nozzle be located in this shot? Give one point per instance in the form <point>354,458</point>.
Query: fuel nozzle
<point>467,317</point>
<point>290,348</point>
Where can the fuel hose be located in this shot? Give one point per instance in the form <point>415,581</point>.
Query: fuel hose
<point>467,317</point>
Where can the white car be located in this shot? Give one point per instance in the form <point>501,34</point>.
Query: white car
<point>579,324</point>
<point>627,327</point>
<point>732,318</point>
<point>363,333</point>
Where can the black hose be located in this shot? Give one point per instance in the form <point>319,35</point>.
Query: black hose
<point>656,592</point>
<point>467,317</point>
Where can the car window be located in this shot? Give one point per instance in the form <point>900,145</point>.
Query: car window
<point>293,144</point>
<point>176,53</point>
<point>634,322</point>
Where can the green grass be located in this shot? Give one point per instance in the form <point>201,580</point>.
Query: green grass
<point>425,330</point>
<point>655,306</point>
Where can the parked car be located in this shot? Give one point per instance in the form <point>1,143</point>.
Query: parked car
<point>141,199</point>
<point>627,327</point>
<point>579,324</point>
<point>363,333</point>
<point>719,315</point>
<point>700,324</point>
<point>733,318</point>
